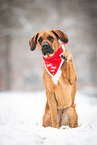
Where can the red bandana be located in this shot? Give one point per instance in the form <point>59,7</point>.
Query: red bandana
<point>54,63</point>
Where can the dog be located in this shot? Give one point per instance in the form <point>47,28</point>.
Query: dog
<point>59,78</point>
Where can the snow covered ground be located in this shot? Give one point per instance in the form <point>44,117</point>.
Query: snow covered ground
<point>21,121</point>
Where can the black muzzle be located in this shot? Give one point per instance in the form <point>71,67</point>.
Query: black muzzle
<point>46,48</point>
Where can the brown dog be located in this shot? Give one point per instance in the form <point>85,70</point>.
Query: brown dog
<point>59,78</point>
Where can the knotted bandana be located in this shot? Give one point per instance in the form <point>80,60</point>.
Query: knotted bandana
<point>54,63</point>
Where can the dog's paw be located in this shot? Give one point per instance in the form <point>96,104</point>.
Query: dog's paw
<point>66,57</point>
<point>55,125</point>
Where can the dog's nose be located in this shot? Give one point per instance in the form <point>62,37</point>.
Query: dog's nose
<point>46,48</point>
<point>45,45</point>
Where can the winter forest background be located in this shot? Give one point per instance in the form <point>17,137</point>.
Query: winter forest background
<point>21,69</point>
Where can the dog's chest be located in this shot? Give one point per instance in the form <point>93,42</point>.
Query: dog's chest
<point>57,77</point>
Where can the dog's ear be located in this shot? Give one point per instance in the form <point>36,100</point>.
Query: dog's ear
<point>61,35</point>
<point>33,42</point>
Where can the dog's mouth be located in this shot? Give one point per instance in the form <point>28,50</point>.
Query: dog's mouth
<point>46,49</point>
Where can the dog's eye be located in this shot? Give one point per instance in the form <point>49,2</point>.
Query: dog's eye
<point>40,40</point>
<point>50,38</point>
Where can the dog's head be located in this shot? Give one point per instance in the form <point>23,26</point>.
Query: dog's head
<point>47,41</point>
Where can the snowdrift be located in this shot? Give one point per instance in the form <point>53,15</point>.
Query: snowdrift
<point>21,121</point>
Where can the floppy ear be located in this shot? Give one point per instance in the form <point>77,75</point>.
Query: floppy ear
<point>61,35</point>
<point>33,42</point>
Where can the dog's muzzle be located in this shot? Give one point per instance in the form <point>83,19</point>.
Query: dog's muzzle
<point>46,48</point>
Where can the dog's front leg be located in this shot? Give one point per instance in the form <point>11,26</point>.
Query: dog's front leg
<point>51,98</point>
<point>71,72</point>
<point>53,109</point>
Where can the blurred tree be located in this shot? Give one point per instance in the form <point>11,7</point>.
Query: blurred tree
<point>19,20</point>
<point>5,45</point>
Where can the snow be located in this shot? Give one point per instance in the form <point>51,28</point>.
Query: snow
<point>21,121</point>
